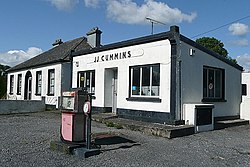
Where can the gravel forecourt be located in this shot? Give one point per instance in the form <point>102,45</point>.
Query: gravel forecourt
<point>25,141</point>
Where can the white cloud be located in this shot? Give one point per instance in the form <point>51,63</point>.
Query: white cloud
<point>238,29</point>
<point>244,61</point>
<point>127,11</point>
<point>91,3</point>
<point>14,57</point>
<point>240,42</point>
<point>65,5</point>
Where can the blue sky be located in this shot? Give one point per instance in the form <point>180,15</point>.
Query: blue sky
<point>29,27</point>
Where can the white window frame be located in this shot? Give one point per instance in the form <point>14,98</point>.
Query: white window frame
<point>91,88</point>
<point>19,84</point>
<point>11,84</point>
<point>51,82</point>
<point>222,84</point>
<point>141,79</point>
<point>38,82</point>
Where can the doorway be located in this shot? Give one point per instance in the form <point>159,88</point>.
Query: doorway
<point>110,89</point>
<point>28,86</point>
<point>114,91</point>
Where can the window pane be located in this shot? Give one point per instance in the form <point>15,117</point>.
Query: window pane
<point>244,89</point>
<point>93,82</point>
<point>19,83</point>
<point>145,81</point>
<point>155,80</point>
<point>11,83</point>
<point>136,81</point>
<point>205,83</point>
<point>211,83</point>
<point>87,79</point>
<point>81,80</point>
<point>51,81</point>
<point>39,82</point>
<point>218,84</point>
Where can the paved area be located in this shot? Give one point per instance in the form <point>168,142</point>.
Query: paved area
<point>25,140</point>
<point>156,129</point>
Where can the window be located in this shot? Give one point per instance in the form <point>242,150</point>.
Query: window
<point>11,84</point>
<point>213,83</point>
<point>38,82</point>
<point>51,82</point>
<point>19,84</point>
<point>244,89</point>
<point>86,79</point>
<point>145,81</point>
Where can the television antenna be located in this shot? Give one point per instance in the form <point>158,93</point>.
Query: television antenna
<point>153,21</point>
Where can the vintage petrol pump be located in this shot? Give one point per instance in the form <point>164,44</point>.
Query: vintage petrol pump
<point>76,122</point>
<point>73,119</point>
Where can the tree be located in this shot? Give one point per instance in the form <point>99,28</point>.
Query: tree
<point>215,45</point>
<point>3,80</point>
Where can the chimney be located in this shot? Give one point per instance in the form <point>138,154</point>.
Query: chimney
<point>57,42</point>
<point>94,37</point>
<point>175,29</point>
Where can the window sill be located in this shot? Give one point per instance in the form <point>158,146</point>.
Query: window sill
<point>213,100</point>
<point>50,94</point>
<point>18,94</point>
<point>144,99</point>
<point>38,94</point>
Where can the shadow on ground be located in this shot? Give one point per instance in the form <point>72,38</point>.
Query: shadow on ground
<point>108,142</point>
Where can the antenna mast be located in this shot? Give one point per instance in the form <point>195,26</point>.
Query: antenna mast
<point>154,22</point>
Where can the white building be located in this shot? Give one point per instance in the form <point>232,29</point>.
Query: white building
<point>157,77</point>
<point>245,105</point>
<point>48,74</point>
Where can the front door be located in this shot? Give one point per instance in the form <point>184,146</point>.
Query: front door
<point>114,91</point>
<point>28,86</point>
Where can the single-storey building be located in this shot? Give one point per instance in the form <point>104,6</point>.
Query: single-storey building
<point>160,78</point>
<point>47,75</point>
<point>245,105</point>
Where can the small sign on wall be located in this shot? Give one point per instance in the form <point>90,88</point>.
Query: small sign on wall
<point>51,100</point>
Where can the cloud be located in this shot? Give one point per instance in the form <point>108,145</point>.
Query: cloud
<point>238,29</point>
<point>14,57</point>
<point>64,5</point>
<point>240,42</point>
<point>244,61</point>
<point>92,3</point>
<point>129,12</point>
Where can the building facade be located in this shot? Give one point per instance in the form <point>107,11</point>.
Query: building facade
<point>245,105</point>
<point>47,75</point>
<point>153,78</point>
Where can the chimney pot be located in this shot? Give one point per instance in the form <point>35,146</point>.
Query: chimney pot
<point>57,42</point>
<point>175,29</point>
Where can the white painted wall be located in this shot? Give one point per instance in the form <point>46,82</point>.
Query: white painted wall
<point>245,105</point>
<point>192,81</point>
<point>149,53</point>
<point>51,100</point>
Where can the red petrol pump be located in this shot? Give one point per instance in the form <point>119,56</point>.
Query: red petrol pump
<point>76,122</point>
<point>73,125</point>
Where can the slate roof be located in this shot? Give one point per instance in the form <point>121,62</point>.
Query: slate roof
<point>56,54</point>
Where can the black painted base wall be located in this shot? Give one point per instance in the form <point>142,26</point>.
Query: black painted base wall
<point>141,115</point>
<point>147,116</point>
<point>101,109</point>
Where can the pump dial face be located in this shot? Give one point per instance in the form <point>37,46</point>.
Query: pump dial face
<point>86,107</point>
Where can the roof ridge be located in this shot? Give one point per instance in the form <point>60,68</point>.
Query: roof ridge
<point>74,47</point>
<point>59,53</point>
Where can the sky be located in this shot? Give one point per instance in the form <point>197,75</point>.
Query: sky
<point>29,27</point>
